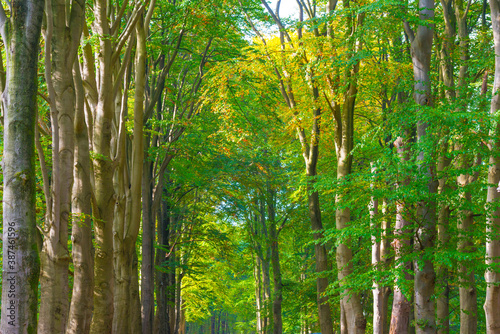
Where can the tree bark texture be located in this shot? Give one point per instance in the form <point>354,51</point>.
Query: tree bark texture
<point>401,306</point>
<point>425,276</point>
<point>321,259</point>
<point>80,314</point>
<point>344,138</point>
<point>128,205</point>
<point>20,33</point>
<point>492,274</point>
<point>61,41</point>
<point>102,319</point>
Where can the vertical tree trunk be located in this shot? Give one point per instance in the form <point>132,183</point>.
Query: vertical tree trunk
<point>401,306</point>
<point>80,314</point>
<point>148,235</point>
<point>344,139</point>
<point>443,300</point>
<point>378,317</point>
<point>379,258</point>
<point>162,320</point>
<point>467,284</point>
<point>102,319</point>
<point>129,175</point>
<point>492,274</point>
<point>266,292</point>
<point>148,226</point>
<point>455,17</point>
<point>275,261</point>
<point>135,307</point>
<point>320,256</point>
<point>258,293</point>
<point>467,290</point>
<point>20,34</point>
<point>425,276</point>
<point>61,42</point>
<point>355,320</point>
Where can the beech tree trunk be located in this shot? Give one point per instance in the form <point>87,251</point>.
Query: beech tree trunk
<point>128,205</point>
<point>320,255</point>
<point>102,318</point>
<point>165,315</point>
<point>275,261</point>
<point>80,314</point>
<point>20,33</point>
<point>492,274</point>
<point>266,292</point>
<point>257,270</point>
<point>379,259</point>
<point>425,276</point>
<point>148,239</point>
<point>310,151</point>
<point>344,138</point>
<point>467,282</point>
<point>62,39</point>
<point>401,306</point>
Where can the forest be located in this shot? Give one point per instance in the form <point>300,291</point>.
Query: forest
<point>245,166</point>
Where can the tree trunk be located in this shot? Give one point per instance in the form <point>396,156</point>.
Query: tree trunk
<point>102,319</point>
<point>61,43</point>
<point>379,259</point>
<point>266,291</point>
<point>80,314</point>
<point>135,296</point>
<point>378,316</point>
<point>165,311</point>
<point>467,282</point>
<point>161,315</point>
<point>425,276</point>
<point>148,235</point>
<point>128,207</point>
<point>344,138</point>
<point>275,261</point>
<point>20,34</point>
<point>321,258</point>
<point>492,274</point>
<point>443,299</point>
<point>401,306</point>
<point>149,212</point>
<point>258,294</point>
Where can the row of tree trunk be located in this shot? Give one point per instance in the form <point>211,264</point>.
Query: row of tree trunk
<point>88,99</point>
<point>433,220</point>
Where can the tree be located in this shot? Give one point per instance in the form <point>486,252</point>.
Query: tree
<point>20,33</point>
<point>421,49</point>
<point>62,38</point>
<point>492,274</point>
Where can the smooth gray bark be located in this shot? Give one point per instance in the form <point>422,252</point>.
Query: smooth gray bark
<point>425,276</point>
<point>62,38</point>
<point>80,314</point>
<point>20,33</point>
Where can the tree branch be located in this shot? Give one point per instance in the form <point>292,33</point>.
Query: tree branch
<point>278,22</point>
<point>3,22</point>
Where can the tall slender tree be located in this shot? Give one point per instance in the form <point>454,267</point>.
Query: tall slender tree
<point>492,275</point>
<point>62,38</point>
<point>21,35</point>
<point>425,276</point>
